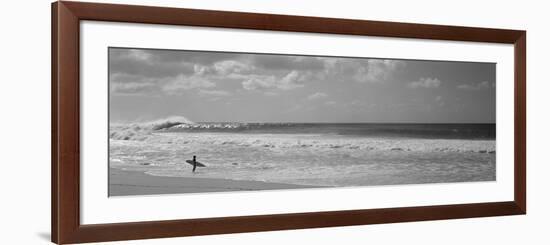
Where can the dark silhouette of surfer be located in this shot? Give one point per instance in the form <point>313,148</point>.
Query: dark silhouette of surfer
<point>194,163</point>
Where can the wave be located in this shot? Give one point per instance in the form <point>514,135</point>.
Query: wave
<point>167,122</point>
<point>299,136</point>
<point>142,130</point>
<point>232,126</point>
<point>433,131</point>
<point>283,144</point>
<point>314,143</point>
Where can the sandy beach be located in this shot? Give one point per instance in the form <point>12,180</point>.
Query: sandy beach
<point>125,183</point>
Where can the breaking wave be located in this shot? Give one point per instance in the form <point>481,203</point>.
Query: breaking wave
<point>422,131</point>
<point>233,126</point>
<point>142,130</point>
<point>312,154</point>
<point>279,137</point>
<point>282,143</point>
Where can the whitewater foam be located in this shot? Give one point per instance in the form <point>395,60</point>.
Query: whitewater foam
<point>143,130</point>
<point>161,148</point>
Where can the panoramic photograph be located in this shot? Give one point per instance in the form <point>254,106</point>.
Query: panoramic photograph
<point>183,121</point>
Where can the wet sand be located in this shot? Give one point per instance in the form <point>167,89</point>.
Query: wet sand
<point>126,183</point>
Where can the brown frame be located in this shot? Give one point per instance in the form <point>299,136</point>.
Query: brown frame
<point>65,169</point>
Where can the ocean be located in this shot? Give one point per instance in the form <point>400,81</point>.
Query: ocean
<point>317,154</point>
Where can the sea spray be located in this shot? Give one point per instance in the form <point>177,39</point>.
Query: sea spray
<point>312,154</point>
<point>295,159</point>
<point>142,130</point>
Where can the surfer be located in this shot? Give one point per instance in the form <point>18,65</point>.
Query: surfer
<point>194,163</point>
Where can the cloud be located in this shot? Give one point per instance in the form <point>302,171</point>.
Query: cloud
<point>330,103</point>
<point>380,70</point>
<point>133,88</point>
<point>142,63</point>
<point>162,56</point>
<point>127,78</point>
<point>292,80</point>
<point>214,93</point>
<point>474,87</point>
<point>126,84</point>
<point>226,68</point>
<point>172,72</point>
<point>137,54</point>
<point>231,66</point>
<point>285,62</point>
<point>321,68</point>
<point>181,83</point>
<point>425,83</point>
<point>362,70</point>
<point>259,82</point>
<point>318,95</point>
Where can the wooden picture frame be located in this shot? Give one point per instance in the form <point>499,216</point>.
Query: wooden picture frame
<point>65,169</point>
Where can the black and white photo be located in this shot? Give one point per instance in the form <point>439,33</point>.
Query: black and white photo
<point>183,121</point>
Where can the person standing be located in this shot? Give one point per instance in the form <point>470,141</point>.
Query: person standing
<point>194,163</point>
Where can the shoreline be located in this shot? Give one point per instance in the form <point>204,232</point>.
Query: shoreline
<point>128,183</point>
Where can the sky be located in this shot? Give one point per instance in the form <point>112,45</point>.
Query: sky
<point>202,86</point>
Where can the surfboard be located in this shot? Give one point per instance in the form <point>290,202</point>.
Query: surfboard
<point>198,163</point>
